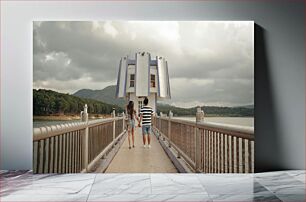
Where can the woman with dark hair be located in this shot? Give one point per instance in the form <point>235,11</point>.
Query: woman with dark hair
<point>131,114</point>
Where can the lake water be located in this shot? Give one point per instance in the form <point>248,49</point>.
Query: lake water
<point>238,121</point>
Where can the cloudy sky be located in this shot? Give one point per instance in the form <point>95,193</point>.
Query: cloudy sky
<point>210,63</point>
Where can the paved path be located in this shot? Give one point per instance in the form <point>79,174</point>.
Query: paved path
<point>140,159</point>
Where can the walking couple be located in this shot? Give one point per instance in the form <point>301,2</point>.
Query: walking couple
<point>146,113</point>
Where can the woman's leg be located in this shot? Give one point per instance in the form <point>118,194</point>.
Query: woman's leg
<point>149,133</point>
<point>133,137</point>
<point>129,134</point>
<point>143,136</point>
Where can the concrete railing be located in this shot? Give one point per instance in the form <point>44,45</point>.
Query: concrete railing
<point>208,147</point>
<point>74,147</point>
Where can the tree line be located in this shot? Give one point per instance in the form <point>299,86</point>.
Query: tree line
<point>48,102</point>
<point>208,110</point>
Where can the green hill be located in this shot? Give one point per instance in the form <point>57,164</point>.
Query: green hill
<point>107,95</point>
<point>48,102</point>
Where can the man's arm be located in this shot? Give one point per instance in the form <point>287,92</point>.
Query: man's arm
<point>140,118</point>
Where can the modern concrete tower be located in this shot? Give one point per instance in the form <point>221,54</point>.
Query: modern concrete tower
<point>143,77</point>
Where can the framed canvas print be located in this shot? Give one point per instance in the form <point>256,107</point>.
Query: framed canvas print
<point>143,96</point>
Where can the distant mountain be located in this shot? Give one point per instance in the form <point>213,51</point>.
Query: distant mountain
<point>107,95</point>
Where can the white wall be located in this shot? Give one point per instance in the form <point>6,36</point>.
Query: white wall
<point>142,71</point>
<point>131,70</point>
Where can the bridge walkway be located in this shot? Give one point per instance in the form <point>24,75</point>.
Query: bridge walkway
<point>140,159</point>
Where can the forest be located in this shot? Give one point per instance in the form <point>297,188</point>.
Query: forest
<point>48,102</point>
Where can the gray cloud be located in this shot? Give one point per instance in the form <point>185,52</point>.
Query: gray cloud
<point>209,62</point>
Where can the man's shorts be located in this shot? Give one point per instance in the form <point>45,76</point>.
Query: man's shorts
<point>146,130</point>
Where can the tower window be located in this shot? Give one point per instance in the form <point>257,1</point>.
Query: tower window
<point>132,80</point>
<point>153,83</point>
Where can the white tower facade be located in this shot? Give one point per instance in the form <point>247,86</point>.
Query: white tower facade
<point>143,77</point>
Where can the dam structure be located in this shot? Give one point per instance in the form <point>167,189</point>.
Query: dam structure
<point>143,76</point>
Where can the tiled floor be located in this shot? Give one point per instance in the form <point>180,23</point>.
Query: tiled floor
<point>272,186</point>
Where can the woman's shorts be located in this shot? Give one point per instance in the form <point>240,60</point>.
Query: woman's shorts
<point>131,123</point>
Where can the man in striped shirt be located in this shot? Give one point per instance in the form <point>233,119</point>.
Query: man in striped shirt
<point>146,113</point>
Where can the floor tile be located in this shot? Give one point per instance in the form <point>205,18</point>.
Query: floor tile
<point>176,184</point>
<point>281,183</point>
<point>292,197</point>
<point>277,175</point>
<point>121,184</point>
<point>298,175</point>
<point>245,198</point>
<point>14,173</point>
<point>150,197</point>
<point>43,198</point>
<point>217,184</point>
<point>52,184</point>
<point>12,182</point>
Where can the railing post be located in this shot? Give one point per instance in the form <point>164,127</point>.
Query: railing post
<point>159,125</point>
<point>162,130</point>
<point>180,139</point>
<point>169,127</point>
<point>114,124</point>
<point>199,119</point>
<point>86,146</point>
<point>156,126</point>
<point>123,121</point>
